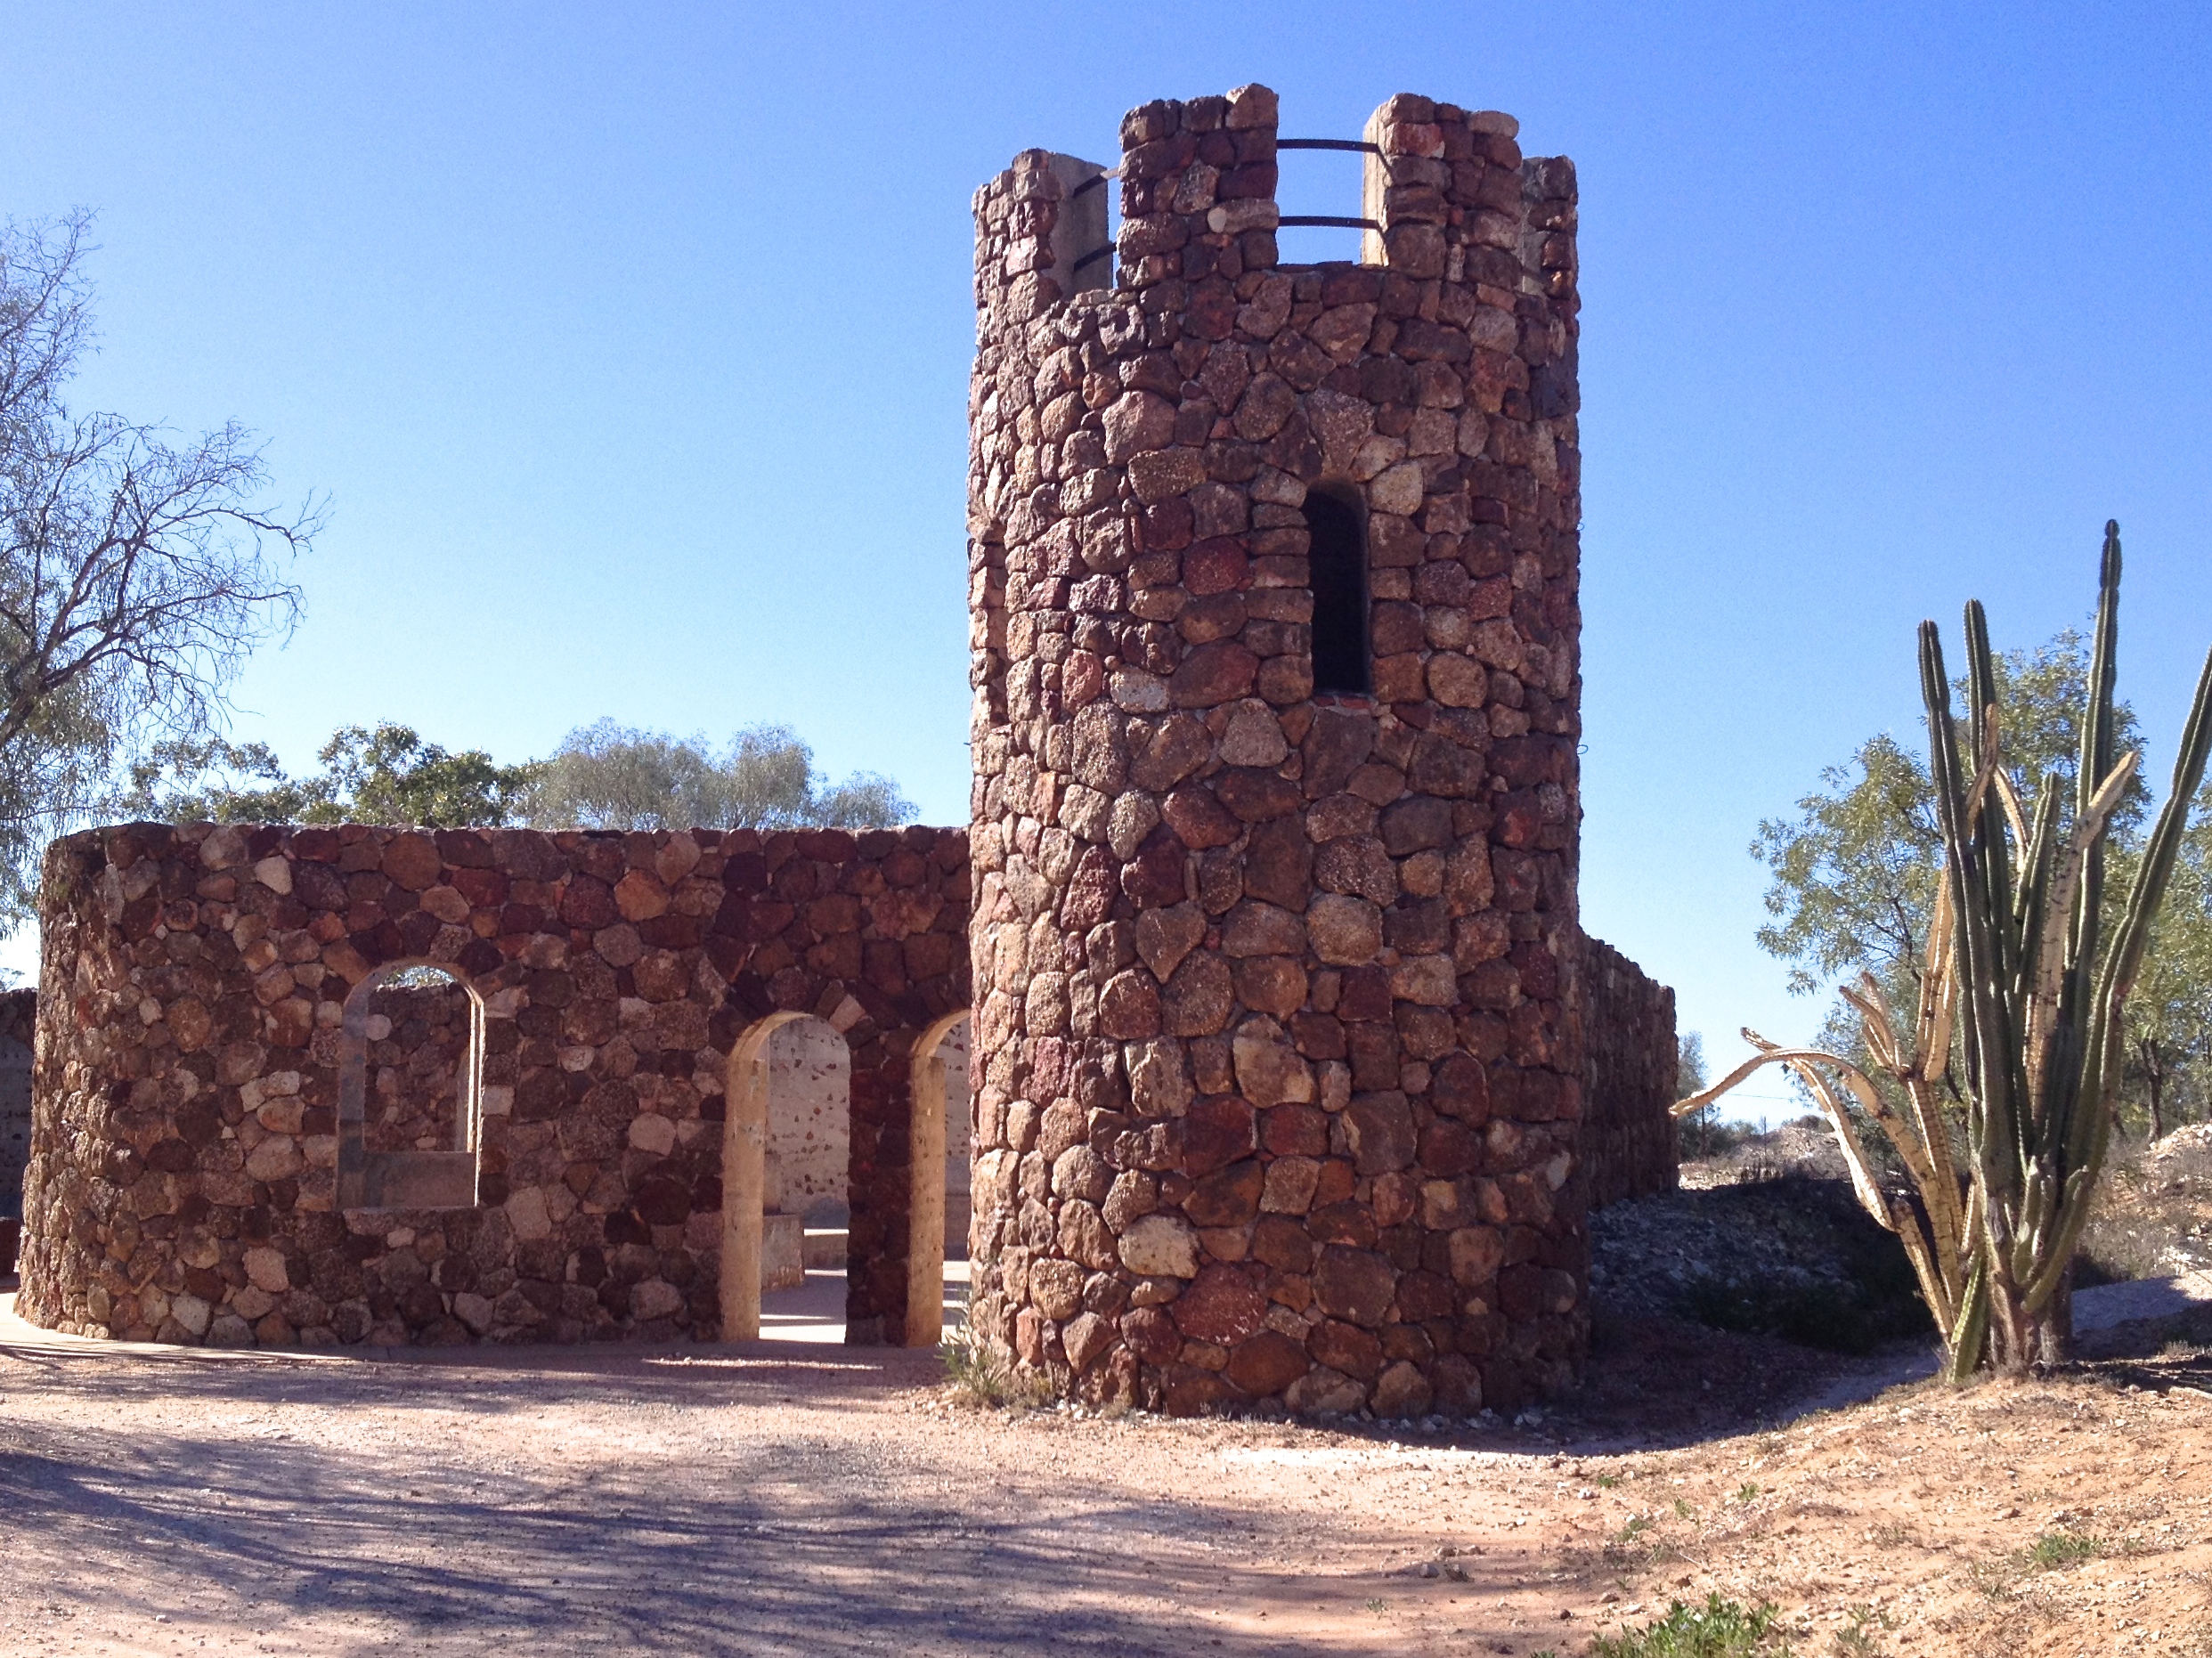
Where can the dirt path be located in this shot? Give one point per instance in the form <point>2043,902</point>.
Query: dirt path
<point>793,1499</point>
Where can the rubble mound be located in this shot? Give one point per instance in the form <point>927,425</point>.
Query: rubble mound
<point>1794,1256</point>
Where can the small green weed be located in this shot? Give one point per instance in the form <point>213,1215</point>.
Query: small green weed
<point>1375,1602</point>
<point>2047,1553</point>
<point>1853,1640</point>
<point>2053,1550</point>
<point>1637,1526</point>
<point>1747,1492</point>
<point>1683,1510</point>
<point>1720,1628</point>
<point>979,1375</point>
<point>1606,1482</point>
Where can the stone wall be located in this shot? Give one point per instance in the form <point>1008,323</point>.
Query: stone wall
<point>810,1119</point>
<point>192,1157</point>
<point>1280,1065</point>
<point>19,1014</point>
<point>1629,1052</point>
<point>418,1036</point>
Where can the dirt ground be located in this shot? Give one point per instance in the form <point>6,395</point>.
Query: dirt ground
<point>792,1499</point>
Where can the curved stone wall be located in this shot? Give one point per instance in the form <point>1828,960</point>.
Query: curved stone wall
<point>1281,1072</point>
<point>192,1161</point>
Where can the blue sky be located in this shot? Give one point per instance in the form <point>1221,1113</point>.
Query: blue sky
<point>631,346</point>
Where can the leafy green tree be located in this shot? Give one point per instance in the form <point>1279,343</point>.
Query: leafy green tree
<point>611,776</point>
<point>387,775</point>
<point>138,569</point>
<point>391,775</point>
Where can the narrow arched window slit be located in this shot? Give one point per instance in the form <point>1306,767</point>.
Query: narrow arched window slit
<point>1336,560</point>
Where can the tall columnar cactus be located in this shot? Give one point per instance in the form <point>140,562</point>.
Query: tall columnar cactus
<point>2019,1002</point>
<point>2041,1005</point>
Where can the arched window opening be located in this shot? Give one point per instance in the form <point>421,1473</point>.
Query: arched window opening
<point>417,1034</point>
<point>411,1070</point>
<point>1337,561</point>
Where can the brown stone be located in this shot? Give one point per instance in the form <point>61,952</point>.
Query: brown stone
<point>1199,819</point>
<point>1476,1254</point>
<point>1401,1391</point>
<point>1270,984</point>
<point>1229,1197</point>
<point>1056,1288</point>
<point>1266,1363</point>
<point>1254,795</point>
<point>1199,997</point>
<point>1084,1338</point>
<point>1151,1335</point>
<point>1278,864</point>
<point>1346,1347</point>
<point>1172,753</point>
<point>1380,1126</point>
<point>1355,1285</point>
<point>1129,1006</point>
<point>1359,865</point>
<point>1345,930</point>
<point>412,861</point>
<point>1213,674</point>
<point>1135,423</point>
<point>1221,1305</point>
<point>1269,1070</point>
<point>1164,937</point>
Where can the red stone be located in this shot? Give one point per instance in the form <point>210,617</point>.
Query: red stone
<point>1199,819</point>
<point>1221,1305</point>
<point>1213,674</point>
<point>1216,1131</point>
<point>1266,1363</point>
<point>1355,1285</point>
<point>1215,566</point>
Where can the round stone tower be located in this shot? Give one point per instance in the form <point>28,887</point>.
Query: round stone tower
<point>1273,575</point>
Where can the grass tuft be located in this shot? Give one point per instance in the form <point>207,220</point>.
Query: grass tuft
<point>2053,1550</point>
<point>1720,1628</point>
<point>981,1376</point>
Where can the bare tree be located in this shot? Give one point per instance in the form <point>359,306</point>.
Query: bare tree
<point>136,572</point>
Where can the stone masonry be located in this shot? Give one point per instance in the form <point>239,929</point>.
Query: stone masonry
<point>1631,1064</point>
<point>1281,1055</point>
<point>1291,1075</point>
<point>191,1154</point>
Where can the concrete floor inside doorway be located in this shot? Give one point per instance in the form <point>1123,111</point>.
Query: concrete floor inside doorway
<point>815,1312</point>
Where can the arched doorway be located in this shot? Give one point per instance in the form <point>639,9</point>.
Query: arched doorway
<point>781,1139</point>
<point>786,1148</point>
<point>937,1155</point>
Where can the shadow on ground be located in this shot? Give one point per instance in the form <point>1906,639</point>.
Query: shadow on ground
<point>780,1548</point>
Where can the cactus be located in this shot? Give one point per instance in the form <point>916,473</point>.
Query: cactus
<point>2018,968</point>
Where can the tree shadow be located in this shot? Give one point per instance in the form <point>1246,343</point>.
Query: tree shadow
<point>773,1543</point>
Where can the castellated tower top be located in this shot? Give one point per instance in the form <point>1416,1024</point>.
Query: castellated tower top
<point>1273,573</point>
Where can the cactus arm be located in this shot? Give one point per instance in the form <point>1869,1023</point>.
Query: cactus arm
<point>1971,1329</point>
<point>1991,1132</point>
<point>2050,955</point>
<point>1984,814</point>
<point>2035,912</point>
<point>2077,1000</point>
<point>1936,1248</point>
<point>2015,812</point>
<point>2101,1062</point>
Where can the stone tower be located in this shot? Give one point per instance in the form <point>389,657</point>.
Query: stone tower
<point>1273,575</point>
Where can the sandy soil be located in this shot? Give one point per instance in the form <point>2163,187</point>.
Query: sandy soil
<point>787,1498</point>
